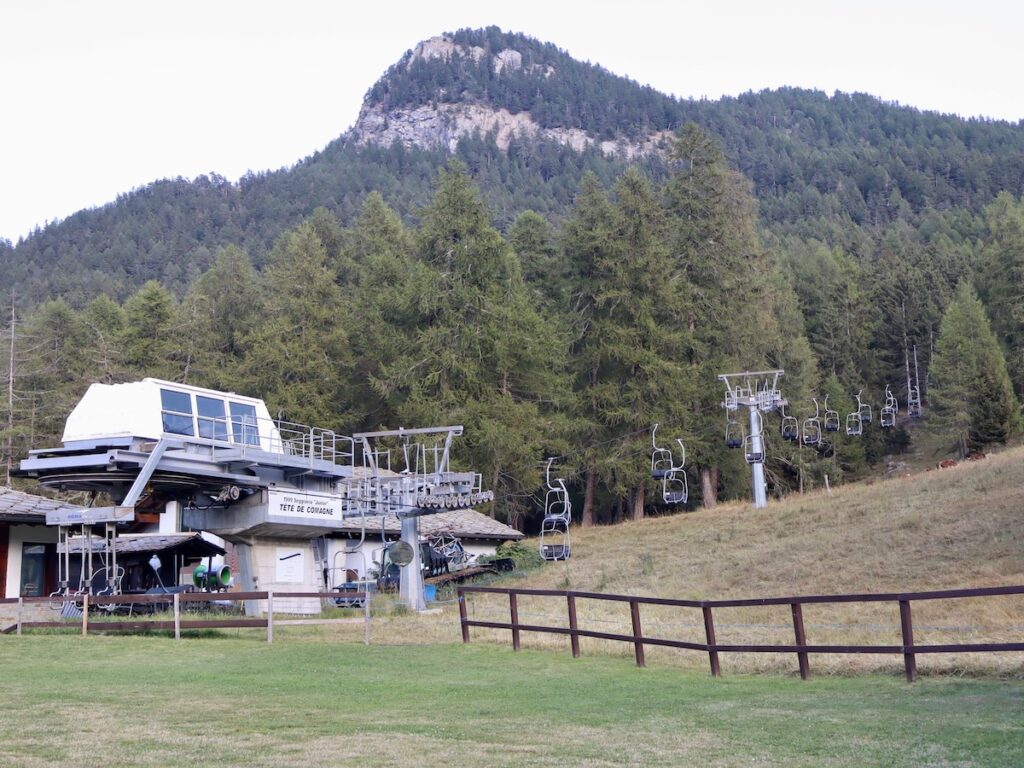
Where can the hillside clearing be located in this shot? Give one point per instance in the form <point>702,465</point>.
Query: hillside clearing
<point>961,527</point>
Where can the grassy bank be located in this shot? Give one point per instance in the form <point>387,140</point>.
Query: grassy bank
<point>235,701</point>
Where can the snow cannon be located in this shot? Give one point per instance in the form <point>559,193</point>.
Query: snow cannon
<point>213,579</point>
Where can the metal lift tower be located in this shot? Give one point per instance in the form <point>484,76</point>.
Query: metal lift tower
<point>758,392</point>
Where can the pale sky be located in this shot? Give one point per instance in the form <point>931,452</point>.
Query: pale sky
<point>100,97</point>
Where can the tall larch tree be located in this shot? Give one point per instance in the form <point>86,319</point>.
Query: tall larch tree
<point>972,399</point>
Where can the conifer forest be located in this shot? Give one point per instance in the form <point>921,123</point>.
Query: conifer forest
<point>559,302</point>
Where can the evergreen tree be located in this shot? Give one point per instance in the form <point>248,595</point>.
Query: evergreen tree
<point>151,339</point>
<point>972,400</point>
<point>1000,277</point>
<point>222,308</point>
<point>477,352</point>
<point>298,357</point>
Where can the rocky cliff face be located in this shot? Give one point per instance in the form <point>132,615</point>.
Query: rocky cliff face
<point>443,123</point>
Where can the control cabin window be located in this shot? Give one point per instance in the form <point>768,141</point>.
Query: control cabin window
<point>213,424</point>
<point>177,412</point>
<point>244,429</point>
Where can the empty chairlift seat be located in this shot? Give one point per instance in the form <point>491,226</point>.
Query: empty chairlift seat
<point>674,489</point>
<point>554,528</point>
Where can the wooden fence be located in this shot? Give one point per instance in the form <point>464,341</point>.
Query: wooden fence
<point>175,602</point>
<point>908,649</point>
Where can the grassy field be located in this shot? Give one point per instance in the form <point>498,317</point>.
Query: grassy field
<point>235,701</point>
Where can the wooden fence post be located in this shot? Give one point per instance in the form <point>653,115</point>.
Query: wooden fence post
<point>574,638</point>
<point>462,615</point>
<point>85,614</point>
<point>709,632</point>
<point>177,616</point>
<point>513,609</point>
<point>638,643</point>
<point>366,615</point>
<point>801,640</point>
<point>21,607</point>
<point>907,629</point>
<point>270,616</point>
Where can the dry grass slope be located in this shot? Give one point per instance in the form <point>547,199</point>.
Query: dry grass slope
<point>961,527</point>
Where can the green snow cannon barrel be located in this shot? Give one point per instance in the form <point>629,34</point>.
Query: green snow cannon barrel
<point>213,579</point>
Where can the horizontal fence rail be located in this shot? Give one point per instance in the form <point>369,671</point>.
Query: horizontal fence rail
<point>800,647</point>
<point>175,602</point>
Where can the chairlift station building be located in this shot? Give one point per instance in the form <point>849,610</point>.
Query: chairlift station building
<point>289,497</point>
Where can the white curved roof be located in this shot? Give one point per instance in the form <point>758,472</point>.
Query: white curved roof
<point>134,409</point>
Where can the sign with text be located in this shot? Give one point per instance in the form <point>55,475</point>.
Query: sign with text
<point>308,508</point>
<point>291,565</point>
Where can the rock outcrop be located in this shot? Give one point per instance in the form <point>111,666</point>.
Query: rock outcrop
<point>442,123</point>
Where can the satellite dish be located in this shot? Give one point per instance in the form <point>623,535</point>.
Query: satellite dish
<point>401,553</point>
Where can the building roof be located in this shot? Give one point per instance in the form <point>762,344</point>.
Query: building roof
<point>187,544</point>
<point>464,523</point>
<point>26,508</point>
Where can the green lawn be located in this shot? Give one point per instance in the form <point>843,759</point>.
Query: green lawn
<point>235,701</point>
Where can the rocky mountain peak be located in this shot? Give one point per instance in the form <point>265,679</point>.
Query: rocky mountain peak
<point>447,106</point>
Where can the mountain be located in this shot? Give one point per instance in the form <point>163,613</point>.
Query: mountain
<point>529,121</point>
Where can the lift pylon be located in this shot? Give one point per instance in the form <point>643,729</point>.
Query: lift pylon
<point>758,392</point>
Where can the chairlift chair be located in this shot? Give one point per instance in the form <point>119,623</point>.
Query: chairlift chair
<point>863,410</point>
<point>734,435</point>
<point>753,454</point>
<point>812,427</point>
<point>554,528</point>
<point>661,458</point>
<point>887,417</point>
<point>790,427</point>
<point>853,424</point>
<point>754,443</point>
<point>812,431</point>
<point>914,403</point>
<point>831,422</point>
<point>674,488</point>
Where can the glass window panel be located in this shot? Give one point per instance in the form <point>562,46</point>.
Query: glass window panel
<point>212,423</point>
<point>177,424</point>
<point>179,402</point>
<point>243,424</point>
<point>177,413</point>
<point>33,570</point>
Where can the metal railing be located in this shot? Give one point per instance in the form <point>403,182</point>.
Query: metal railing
<point>175,603</point>
<point>801,648</point>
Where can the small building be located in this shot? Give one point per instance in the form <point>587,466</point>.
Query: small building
<point>28,548</point>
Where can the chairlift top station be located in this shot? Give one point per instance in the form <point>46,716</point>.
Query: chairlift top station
<point>237,473</point>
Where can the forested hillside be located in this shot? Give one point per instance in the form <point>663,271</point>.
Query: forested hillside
<point>559,301</point>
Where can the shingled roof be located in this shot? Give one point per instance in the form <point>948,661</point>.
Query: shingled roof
<point>188,544</point>
<point>464,523</point>
<point>25,508</point>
